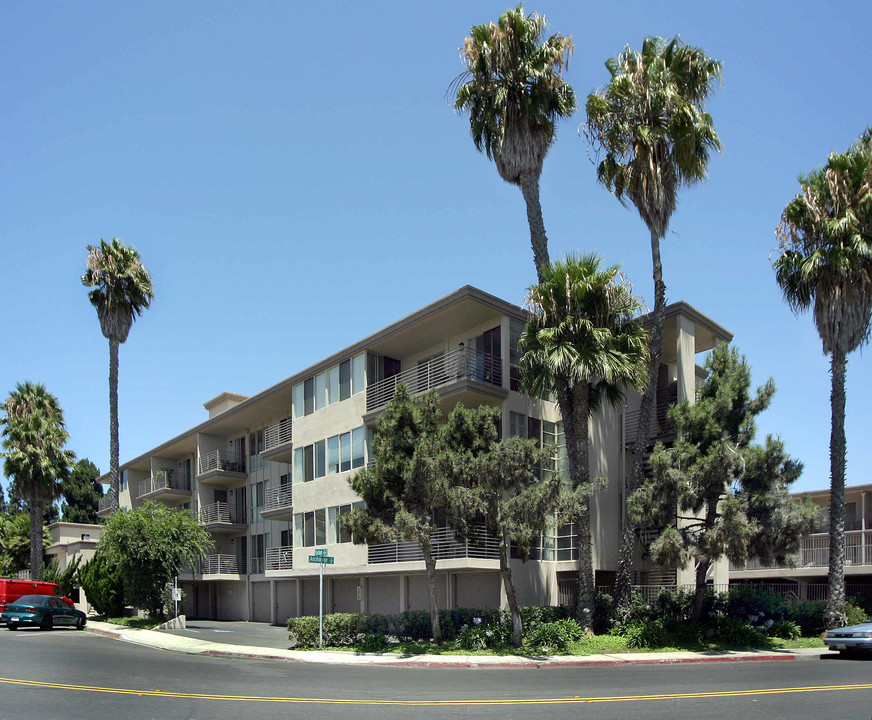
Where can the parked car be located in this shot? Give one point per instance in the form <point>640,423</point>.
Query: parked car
<point>851,638</point>
<point>12,588</point>
<point>45,611</point>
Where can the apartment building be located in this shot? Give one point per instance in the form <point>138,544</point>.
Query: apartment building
<point>267,475</point>
<point>805,575</point>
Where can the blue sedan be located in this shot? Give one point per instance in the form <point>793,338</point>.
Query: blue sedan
<point>851,638</point>
<point>44,611</point>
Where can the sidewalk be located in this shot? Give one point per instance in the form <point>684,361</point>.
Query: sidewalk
<point>197,646</point>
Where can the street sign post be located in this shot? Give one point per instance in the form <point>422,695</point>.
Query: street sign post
<point>321,558</point>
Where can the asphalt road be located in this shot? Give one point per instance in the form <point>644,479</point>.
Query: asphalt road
<point>68,674</point>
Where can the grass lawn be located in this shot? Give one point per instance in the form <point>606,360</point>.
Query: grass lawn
<point>134,622</point>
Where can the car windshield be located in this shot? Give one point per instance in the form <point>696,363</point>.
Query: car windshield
<point>31,600</point>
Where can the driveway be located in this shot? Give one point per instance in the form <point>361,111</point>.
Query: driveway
<point>236,633</point>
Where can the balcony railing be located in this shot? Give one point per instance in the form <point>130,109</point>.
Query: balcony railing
<point>222,565</point>
<point>276,435</point>
<point>445,547</point>
<point>224,460</point>
<point>104,504</point>
<point>280,558</point>
<point>815,552</point>
<point>448,368</point>
<point>221,513</point>
<point>278,498</point>
<point>163,480</point>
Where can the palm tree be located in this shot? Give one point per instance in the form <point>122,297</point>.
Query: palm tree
<point>34,435</point>
<point>825,263</point>
<point>584,343</point>
<point>650,124</point>
<point>122,290</point>
<point>514,92</point>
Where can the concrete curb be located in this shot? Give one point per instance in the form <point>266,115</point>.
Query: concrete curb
<point>174,643</point>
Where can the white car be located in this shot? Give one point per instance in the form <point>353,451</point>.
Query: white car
<point>851,638</point>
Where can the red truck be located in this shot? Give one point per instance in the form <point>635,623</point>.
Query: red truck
<point>11,589</point>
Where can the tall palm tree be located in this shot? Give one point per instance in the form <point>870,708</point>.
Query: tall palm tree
<point>34,435</point>
<point>122,290</point>
<point>514,92</point>
<point>651,126</point>
<point>825,263</point>
<point>584,343</point>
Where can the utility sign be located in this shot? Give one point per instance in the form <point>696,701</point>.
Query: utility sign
<point>322,552</point>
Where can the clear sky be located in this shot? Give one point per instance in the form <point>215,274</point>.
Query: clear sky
<point>295,178</point>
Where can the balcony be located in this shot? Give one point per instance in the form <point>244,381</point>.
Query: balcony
<point>221,565</point>
<point>456,371</point>
<point>278,503</point>
<point>166,486</point>
<point>280,558</point>
<point>814,552</point>
<point>278,442</point>
<point>661,429</point>
<point>445,547</point>
<point>104,506</point>
<point>219,517</point>
<point>221,468</point>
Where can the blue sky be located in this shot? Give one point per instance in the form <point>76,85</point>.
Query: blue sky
<point>295,179</point>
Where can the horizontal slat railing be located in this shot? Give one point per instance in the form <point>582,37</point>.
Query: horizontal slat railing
<point>278,434</point>
<point>280,558</point>
<point>221,565</point>
<point>220,512</point>
<point>460,363</point>
<point>815,552</point>
<point>225,460</point>
<point>162,480</point>
<point>278,498</point>
<point>445,547</point>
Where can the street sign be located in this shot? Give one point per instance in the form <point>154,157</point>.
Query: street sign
<point>321,551</point>
<point>177,594</point>
<point>323,559</point>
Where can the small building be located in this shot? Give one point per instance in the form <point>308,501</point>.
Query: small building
<point>69,541</point>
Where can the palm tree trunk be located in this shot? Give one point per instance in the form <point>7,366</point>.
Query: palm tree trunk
<point>113,425</point>
<point>430,565</point>
<point>509,587</point>
<point>538,240</point>
<point>36,508</point>
<point>836,577</point>
<point>623,584</point>
<point>574,408</point>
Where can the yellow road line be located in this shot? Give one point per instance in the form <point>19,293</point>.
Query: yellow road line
<point>515,701</point>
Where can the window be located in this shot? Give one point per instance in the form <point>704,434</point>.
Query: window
<point>310,528</point>
<point>85,537</point>
<point>345,452</point>
<point>299,401</point>
<point>544,433</point>
<point>335,532</point>
<point>333,454</point>
<point>320,469</point>
<point>358,366</point>
<point>309,395</point>
<point>486,360</point>
<point>345,380</point>
<point>258,495</point>
<point>358,447</point>
<point>320,390</point>
<point>333,385</point>
<point>516,328</point>
<point>517,425</point>
<point>259,544</point>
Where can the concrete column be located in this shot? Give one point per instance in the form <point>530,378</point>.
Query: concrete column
<point>449,590</point>
<point>298,593</point>
<point>273,603</point>
<point>864,558</point>
<point>363,589</point>
<point>403,593</point>
<point>685,347</point>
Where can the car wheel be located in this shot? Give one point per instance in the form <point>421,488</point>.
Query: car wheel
<point>46,623</point>
<point>80,623</point>
<point>12,626</point>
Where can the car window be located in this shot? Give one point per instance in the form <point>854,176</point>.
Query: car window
<point>53,602</point>
<point>31,600</point>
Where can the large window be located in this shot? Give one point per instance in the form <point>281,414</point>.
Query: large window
<point>544,433</point>
<point>333,385</point>
<point>310,528</point>
<point>259,544</point>
<point>338,453</point>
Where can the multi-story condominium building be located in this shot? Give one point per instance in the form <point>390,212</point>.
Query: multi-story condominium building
<point>267,475</point>
<point>806,574</point>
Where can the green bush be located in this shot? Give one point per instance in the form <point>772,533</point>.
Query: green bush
<point>784,629</point>
<point>456,620</point>
<point>639,634</point>
<point>554,637</point>
<point>411,626</point>
<point>103,585</point>
<point>737,633</point>
<point>810,615</point>
<point>303,631</point>
<point>373,644</point>
<point>855,614</point>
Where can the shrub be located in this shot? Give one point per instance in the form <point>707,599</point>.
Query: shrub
<point>555,636</point>
<point>373,644</point>
<point>855,614</point>
<point>341,629</point>
<point>639,634</point>
<point>736,632</point>
<point>604,613</point>
<point>103,585</point>
<point>808,614</point>
<point>303,631</point>
<point>785,629</point>
<point>411,625</point>
<point>456,620</point>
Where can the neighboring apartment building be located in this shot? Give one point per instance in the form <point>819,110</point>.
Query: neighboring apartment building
<point>69,541</point>
<point>807,573</point>
<point>268,475</point>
